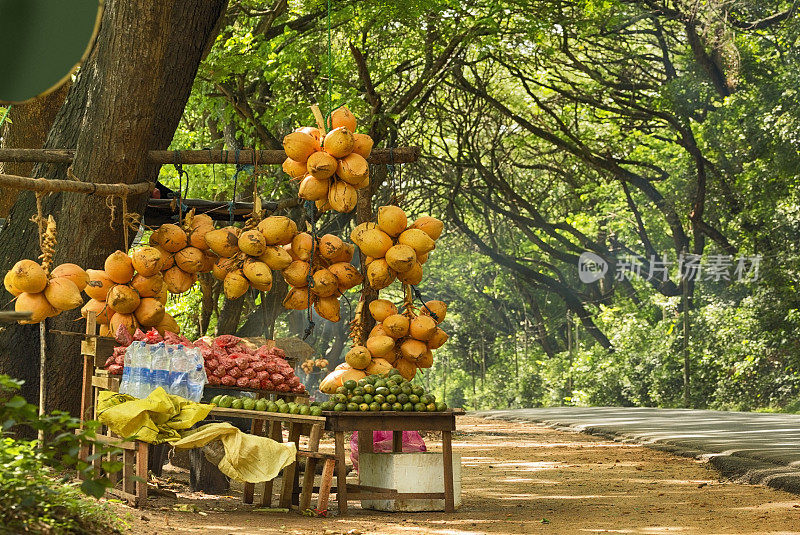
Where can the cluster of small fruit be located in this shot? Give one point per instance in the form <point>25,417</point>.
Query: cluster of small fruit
<point>265,405</point>
<point>309,365</point>
<point>376,393</point>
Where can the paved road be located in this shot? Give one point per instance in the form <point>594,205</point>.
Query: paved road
<point>750,447</point>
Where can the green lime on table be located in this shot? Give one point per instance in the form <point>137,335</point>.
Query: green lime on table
<point>374,406</point>
<point>397,406</point>
<point>305,410</point>
<point>431,407</point>
<point>352,406</point>
<point>402,398</point>
<point>441,406</point>
<point>295,409</point>
<point>380,398</point>
<point>237,403</point>
<point>350,384</point>
<point>380,383</point>
<point>272,407</point>
<point>408,407</point>
<point>391,398</point>
<point>339,407</point>
<point>317,411</point>
<point>225,402</point>
<point>248,404</point>
<point>284,408</point>
<point>369,389</point>
<point>418,390</point>
<point>386,406</point>
<point>215,399</point>
<point>420,407</point>
<point>413,398</point>
<point>363,407</point>
<point>341,390</point>
<point>368,398</point>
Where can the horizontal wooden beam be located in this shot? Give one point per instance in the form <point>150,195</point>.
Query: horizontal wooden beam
<point>44,185</point>
<point>209,156</point>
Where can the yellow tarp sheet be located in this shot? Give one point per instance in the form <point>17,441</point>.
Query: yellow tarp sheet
<point>248,458</point>
<point>156,419</point>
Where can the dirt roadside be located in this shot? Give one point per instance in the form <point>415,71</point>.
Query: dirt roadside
<point>518,479</point>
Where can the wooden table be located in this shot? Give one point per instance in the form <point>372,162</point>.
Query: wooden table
<point>397,422</point>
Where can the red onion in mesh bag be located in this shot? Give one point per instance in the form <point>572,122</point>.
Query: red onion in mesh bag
<point>115,369</point>
<point>228,380</point>
<point>250,373</point>
<point>213,380</point>
<point>283,388</point>
<point>261,376</point>
<point>293,381</point>
<point>276,378</point>
<point>242,382</point>
<point>266,384</point>
<point>220,371</point>
<point>253,383</point>
<point>235,372</point>
<point>259,366</point>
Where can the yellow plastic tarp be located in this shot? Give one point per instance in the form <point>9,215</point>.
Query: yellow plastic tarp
<point>248,458</point>
<point>156,419</point>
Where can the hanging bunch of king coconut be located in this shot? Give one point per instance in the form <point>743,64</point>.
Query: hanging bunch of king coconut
<point>184,251</point>
<point>45,294</point>
<point>395,250</point>
<point>248,256</point>
<point>130,291</point>
<point>330,166</point>
<point>320,272</point>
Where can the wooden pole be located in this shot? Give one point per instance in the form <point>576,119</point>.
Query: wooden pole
<point>42,362</point>
<point>209,156</point>
<point>42,184</point>
<point>685,341</point>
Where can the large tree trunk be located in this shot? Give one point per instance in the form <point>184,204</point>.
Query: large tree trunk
<point>126,100</point>
<point>27,128</point>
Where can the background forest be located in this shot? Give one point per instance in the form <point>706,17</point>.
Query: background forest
<point>629,128</point>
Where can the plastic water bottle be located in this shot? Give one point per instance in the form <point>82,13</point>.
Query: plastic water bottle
<point>197,377</point>
<point>142,362</point>
<point>125,383</point>
<point>160,366</point>
<point>179,371</point>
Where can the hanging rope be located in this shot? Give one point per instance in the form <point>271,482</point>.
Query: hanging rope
<point>422,300</point>
<point>181,173</point>
<point>311,211</point>
<point>39,219</point>
<point>232,202</point>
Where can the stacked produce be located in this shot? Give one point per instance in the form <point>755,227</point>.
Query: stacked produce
<point>327,261</point>
<point>184,251</point>
<point>330,166</point>
<point>115,364</point>
<point>394,249</point>
<point>231,361</point>
<point>279,406</point>
<point>130,291</point>
<point>389,392</point>
<point>247,257</point>
<point>309,365</point>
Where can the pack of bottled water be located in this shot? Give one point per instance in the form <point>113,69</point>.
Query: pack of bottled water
<point>176,368</point>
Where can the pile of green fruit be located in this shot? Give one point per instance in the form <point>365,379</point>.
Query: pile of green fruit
<point>390,392</point>
<point>265,405</point>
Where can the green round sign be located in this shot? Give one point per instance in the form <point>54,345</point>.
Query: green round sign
<point>42,42</point>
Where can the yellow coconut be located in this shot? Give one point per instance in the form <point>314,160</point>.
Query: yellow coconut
<point>128,320</point>
<point>438,339</point>
<point>422,258</point>
<point>325,283</point>
<point>382,309</point>
<point>379,275</point>
<point>406,368</point>
<point>338,378</point>
<point>104,330</point>
<point>314,189</point>
<point>167,258</point>
<point>190,259</point>
<point>330,246</point>
<point>222,267</point>
<point>362,144</point>
<point>346,275</point>
<point>35,303</point>
<point>353,169</point>
<point>277,230</point>
<point>313,132</point>
<point>342,197</point>
<point>321,165</point>
<point>147,286</point>
<point>328,308</point>
<point>168,324</point>
<point>380,345</point>
<point>197,236</point>
<point>412,349</point>
<point>358,357</point>
<point>375,243</point>
<point>338,142</point>
<point>146,261</point>
<point>363,184</point>
<point>345,254</point>
<point>177,281</point>
<point>10,287</point>
<point>294,168</point>
<point>150,312</point>
<point>396,325</point>
<point>252,243</point>
<point>413,276</point>
<point>261,287</point>
<point>257,272</point>
<point>224,242</point>
<point>299,146</point>
<point>426,360</point>
<point>418,240</point>
<point>302,244</point>
<point>28,276</point>
<point>391,357</point>
<point>72,272</point>
<point>359,231</point>
<point>432,226</point>
<point>155,237</point>
<point>378,366</point>
<point>392,220</point>
<point>163,295</point>
<point>437,307</point>
<point>296,274</point>
<point>99,284</point>
<point>100,308</point>
<point>322,205</point>
<point>201,220</point>
<point>119,267</point>
<point>276,257</point>
<point>378,331</point>
<point>343,117</point>
<point>422,328</point>
<point>123,299</point>
<point>209,258</point>
<point>235,284</point>
<point>401,258</point>
<point>63,294</point>
<point>172,238</point>
<point>296,299</point>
